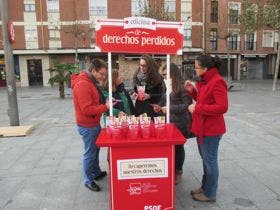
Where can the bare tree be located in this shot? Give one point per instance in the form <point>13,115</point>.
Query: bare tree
<point>256,15</point>
<point>156,11</point>
<point>76,32</point>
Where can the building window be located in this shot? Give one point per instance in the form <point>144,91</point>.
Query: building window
<point>54,34</point>
<point>233,40</point>
<point>53,5</point>
<point>137,6</point>
<point>31,35</point>
<point>170,5</point>
<point>187,34</point>
<point>268,39</point>
<point>233,16</point>
<point>98,8</point>
<point>29,7</point>
<point>214,11</point>
<point>186,10</point>
<point>213,39</point>
<point>250,43</point>
<point>233,12</point>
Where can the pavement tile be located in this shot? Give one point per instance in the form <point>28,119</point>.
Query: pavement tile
<point>42,171</point>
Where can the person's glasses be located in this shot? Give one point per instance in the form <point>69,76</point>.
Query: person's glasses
<point>198,67</point>
<point>102,74</point>
<point>164,74</point>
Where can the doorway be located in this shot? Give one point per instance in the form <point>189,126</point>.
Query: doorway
<point>223,70</point>
<point>35,76</point>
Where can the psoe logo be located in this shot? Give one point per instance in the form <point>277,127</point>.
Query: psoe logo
<point>139,22</point>
<point>152,207</point>
<point>135,189</point>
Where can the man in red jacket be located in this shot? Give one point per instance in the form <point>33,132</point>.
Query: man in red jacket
<point>89,104</point>
<point>208,122</point>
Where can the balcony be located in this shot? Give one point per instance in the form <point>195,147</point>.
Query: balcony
<point>98,11</point>
<point>250,45</point>
<point>233,45</point>
<point>213,45</point>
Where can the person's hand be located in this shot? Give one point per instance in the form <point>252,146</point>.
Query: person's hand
<point>163,109</point>
<point>191,108</point>
<point>189,86</point>
<point>156,108</point>
<point>146,96</point>
<point>108,105</point>
<point>121,114</point>
<point>143,96</point>
<point>134,96</point>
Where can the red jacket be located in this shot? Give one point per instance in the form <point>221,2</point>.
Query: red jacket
<point>88,108</point>
<point>211,103</point>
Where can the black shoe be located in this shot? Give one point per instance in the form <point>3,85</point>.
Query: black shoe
<point>101,175</point>
<point>93,187</point>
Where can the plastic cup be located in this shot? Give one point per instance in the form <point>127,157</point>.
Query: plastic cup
<point>152,129</point>
<point>124,128</point>
<point>132,131</point>
<point>145,130</point>
<point>108,124</point>
<point>141,92</point>
<point>116,131</point>
<point>160,130</point>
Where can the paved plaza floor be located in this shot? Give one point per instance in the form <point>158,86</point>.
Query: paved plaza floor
<point>42,171</point>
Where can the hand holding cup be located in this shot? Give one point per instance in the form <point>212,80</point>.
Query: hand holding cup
<point>189,86</point>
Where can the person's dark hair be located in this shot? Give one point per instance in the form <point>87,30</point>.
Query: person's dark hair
<point>97,64</point>
<point>176,76</point>
<point>153,76</point>
<point>208,61</point>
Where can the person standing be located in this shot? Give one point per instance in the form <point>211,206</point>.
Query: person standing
<point>179,114</point>
<point>147,76</point>
<point>208,122</point>
<point>89,104</point>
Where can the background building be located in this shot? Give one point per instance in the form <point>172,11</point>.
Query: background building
<point>64,30</point>
<point>252,56</point>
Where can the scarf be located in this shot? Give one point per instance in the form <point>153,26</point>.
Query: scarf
<point>141,77</point>
<point>102,98</point>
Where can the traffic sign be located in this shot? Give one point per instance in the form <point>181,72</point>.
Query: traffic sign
<point>11,31</point>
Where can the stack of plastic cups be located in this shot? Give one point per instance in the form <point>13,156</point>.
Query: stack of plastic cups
<point>124,125</point>
<point>145,127</point>
<point>160,129</point>
<point>109,121</point>
<point>133,127</point>
<point>116,131</point>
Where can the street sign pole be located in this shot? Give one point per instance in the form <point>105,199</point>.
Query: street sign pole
<point>8,37</point>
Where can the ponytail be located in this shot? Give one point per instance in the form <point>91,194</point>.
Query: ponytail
<point>217,61</point>
<point>207,61</point>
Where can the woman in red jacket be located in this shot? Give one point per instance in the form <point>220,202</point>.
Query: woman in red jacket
<point>211,102</point>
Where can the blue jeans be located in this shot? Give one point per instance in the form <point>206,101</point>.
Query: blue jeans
<point>91,167</point>
<point>208,151</point>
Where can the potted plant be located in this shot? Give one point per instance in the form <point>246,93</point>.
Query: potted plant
<point>60,74</point>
